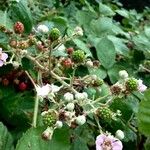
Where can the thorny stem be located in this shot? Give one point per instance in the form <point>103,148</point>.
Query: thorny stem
<point>63,82</point>
<point>145,69</point>
<point>52,73</point>
<point>100,98</point>
<point>73,75</point>
<point>98,124</point>
<point>50,58</point>
<point>36,106</point>
<point>30,79</point>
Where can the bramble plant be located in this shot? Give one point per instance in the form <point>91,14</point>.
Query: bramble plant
<point>73,82</point>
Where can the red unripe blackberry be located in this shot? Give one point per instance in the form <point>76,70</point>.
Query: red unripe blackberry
<point>19,27</point>
<point>22,86</point>
<point>67,63</point>
<point>70,50</point>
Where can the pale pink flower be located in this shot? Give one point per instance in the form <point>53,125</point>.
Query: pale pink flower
<point>3,57</point>
<point>108,142</point>
<point>141,86</point>
<point>43,91</point>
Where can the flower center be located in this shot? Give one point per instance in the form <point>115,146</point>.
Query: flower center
<point>107,145</point>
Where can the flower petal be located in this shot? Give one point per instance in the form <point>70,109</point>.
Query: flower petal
<point>55,88</point>
<point>99,141</point>
<point>4,56</point>
<point>1,63</point>
<point>117,145</point>
<point>43,91</point>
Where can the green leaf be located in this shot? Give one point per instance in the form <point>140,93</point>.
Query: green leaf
<point>144,114</point>
<point>147,144</point>
<point>60,23</point>
<point>141,42</point>
<point>147,31</point>
<point>123,13</point>
<point>16,107</point>
<point>123,106</point>
<point>20,12</point>
<point>106,52</point>
<point>100,72</point>
<point>84,17</point>
<point>58,53</point>
<point>120,47</point>
<point>113,73</point>
<point>26,64</point>
<point>82,46</point>
<point>32,140</point>
<point>5,20</point>
<point>6,141</point>
<point>79,144</point>
<point>4,39</point>
<point>101,26</point>
<point>105,10</point>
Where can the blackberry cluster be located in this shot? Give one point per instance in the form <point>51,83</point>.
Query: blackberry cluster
<point>131,84</point>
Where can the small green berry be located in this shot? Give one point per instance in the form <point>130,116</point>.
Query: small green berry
<point>50,118</point>
<point>54,34</point>
<point>105,113</point>
<point>131,84</point>
<point>78,56</point>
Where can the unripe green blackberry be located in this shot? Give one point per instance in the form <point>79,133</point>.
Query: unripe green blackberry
<point>78,56</point>
<point>97,82</point>
<point>105,113</point>
<point>54,34</point>
<point>131,84</point>
<point>49,118</point>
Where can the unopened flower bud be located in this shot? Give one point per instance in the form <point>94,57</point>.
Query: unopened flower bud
<point>123,74</point>
<point>85,95</point>
<point>42,28</point>
<point>80,96</point>
<point>70,106</point>
<point>59,124</point>
<point>94,77</point>
<point>78,31</point>
<point>47,134</point>
<point>80,120</point>
<point>15,64</point>
<point>68,97</point>
<point>119,134</point>
<point>89,63</point>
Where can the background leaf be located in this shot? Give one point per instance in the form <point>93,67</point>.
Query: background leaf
<point>6,141</point>
<point>32,140</point>
<point>144,114</point>
<point>106,52</point>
